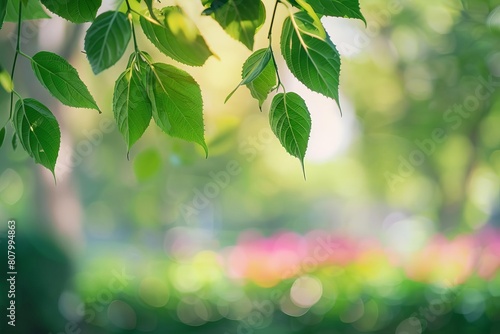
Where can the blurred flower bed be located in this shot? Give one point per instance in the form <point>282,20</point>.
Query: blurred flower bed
<point>288,283</point>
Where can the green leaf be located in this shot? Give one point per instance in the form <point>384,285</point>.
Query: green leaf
<point>339,8</point>
<point>107,39</point>
<point>32,11</point>
<point>14,141</point>
<point>312,59</point>
<point>62,80</point>
<point>291,123</point>
<point>38,132</point>
<point>312,13</point>
<point>3,11</point>
<point>177,103</point>
<point>259,75</point>
<point>213,6</point>
<point>179,38</point>
<point>149,4</point>
<point>263,84</point>
<point>240,19</point>
<point>76,11</point>
<point>6,80</point>
<point>2,136</point>
<point>131,105</point>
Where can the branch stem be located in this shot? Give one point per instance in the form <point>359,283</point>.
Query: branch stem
<point>18,50</point>
<point>272,20</point>
<point>129,12</point>
<point>269,37</point>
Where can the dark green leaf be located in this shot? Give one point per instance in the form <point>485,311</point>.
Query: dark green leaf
<point>177,103</point>
<point>179,38</point>
<point>38,132</point>
<point>2,136</point>
<point>62,80</point>
<point>32,11</point>
<point>14,141</point>
<point>76,11</point>
<point>3,10</point>
<point>291,123</point>
<point>259,75</point>
<point>312,58</point>
<point>107,39</point>
<point>131,105</point>
<point>240,19</point>
<point>213,6</point>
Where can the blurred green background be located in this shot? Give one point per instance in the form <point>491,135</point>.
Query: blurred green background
<point>396,230</point>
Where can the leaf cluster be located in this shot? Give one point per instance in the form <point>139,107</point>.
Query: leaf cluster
<point>149,90</point>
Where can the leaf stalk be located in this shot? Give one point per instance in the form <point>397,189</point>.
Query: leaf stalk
<point>18,50</point>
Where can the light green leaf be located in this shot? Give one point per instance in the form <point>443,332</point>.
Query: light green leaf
<point>291,123</point>
<point>263,84</point>
<point>32,11</point>
<point>240,19</point>
<point>62,80</point>
<point>149,4</point>
<point>312,59</point>
<point>177,103</point>
<point>6,80</point>
<point>312,13</point>
<point>76,11</point>
<point>179,38</point>
<point>3,11</point>
<point>2,136</point>
<point>38,132</point>
<point>107,39</point>
<point>339,8</point>
<point>131,105</point>
<point>259,75</point>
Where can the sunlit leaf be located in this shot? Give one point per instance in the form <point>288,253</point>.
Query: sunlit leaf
<point>240,19</point>
<point>76,11</point>
<point>32,11</point>
<point>339,8</point>
<point>6,80</point>
<point>149,4</point>
<point>177,103</point>
<point>62,80</point>
<point>291,123</point>
<point>312,59</point>
<point>264,83</point>
<point>312,13</point>
<point>107,39</point>
<point>131,105</point>
<point>178,38</point>
<point>38,132</point>
<point>259,75</point>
